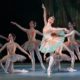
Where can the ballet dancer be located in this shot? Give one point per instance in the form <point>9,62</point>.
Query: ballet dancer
<point>52,40</point>
<point>32,44</point>
<point>11,56</point>
<point>72,43</point>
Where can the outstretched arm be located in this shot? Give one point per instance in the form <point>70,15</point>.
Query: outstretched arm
<point>76,32</point>
<point>3,47</point>
<point>61,29</point>
<point>19,26</point>
<point>20,48</point>
<point>58,29</point>
<point>69,34</point>
<point>38,32</point>
<point>44,14</point>
<point>3,37</point>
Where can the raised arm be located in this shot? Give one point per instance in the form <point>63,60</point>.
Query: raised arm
<point>21,49</point>
<point>3,37</point>
<point>3,47</point>
<point>44,14</point>
<point>19,26</point>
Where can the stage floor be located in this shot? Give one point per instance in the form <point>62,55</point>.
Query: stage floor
<point>39,74</point>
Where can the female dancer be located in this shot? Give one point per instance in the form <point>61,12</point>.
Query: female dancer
<point>52,40</point>
<point>11,56</point>
<point>32,44</point>
<point>72,43</point>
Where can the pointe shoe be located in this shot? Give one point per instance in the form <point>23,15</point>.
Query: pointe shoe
<point>71,69</point>
<point>48,73</point>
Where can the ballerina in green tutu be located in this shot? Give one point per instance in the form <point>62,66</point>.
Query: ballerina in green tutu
<point>53,39</point>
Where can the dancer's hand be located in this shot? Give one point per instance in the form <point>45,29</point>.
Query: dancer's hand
<point>14,23</point>
<point>66,30</point>
<point>43,6</point>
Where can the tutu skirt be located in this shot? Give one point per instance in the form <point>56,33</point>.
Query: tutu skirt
<point>31,45</point>
<point>50,44</point>
<point>16,57</point>
<point>71,44</point>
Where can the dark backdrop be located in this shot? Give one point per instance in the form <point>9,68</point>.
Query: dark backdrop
<point>22,11</point>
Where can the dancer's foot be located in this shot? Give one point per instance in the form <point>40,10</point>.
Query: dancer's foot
<point>48,73</point>
<point>32,69</point>
<point>20,71</point>
<point>71,69</point>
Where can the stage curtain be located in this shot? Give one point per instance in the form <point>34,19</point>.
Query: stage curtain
<point>64,11</point>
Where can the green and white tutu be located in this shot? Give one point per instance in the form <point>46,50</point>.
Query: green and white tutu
<point>51,43</point>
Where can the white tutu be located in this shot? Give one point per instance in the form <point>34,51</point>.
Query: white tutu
<point>62,57</point>
<point>31,45</point>
<point>16,57</point>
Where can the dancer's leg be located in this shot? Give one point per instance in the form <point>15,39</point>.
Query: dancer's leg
<point>51,63</point>
<point>77,51</point>
<point>4,58</point>
<point>32,60</point>
<point>40,59</point>
<point>7,64</point>
<point>10,68</point>
<point>72,55</point>
<point>59,65</point>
